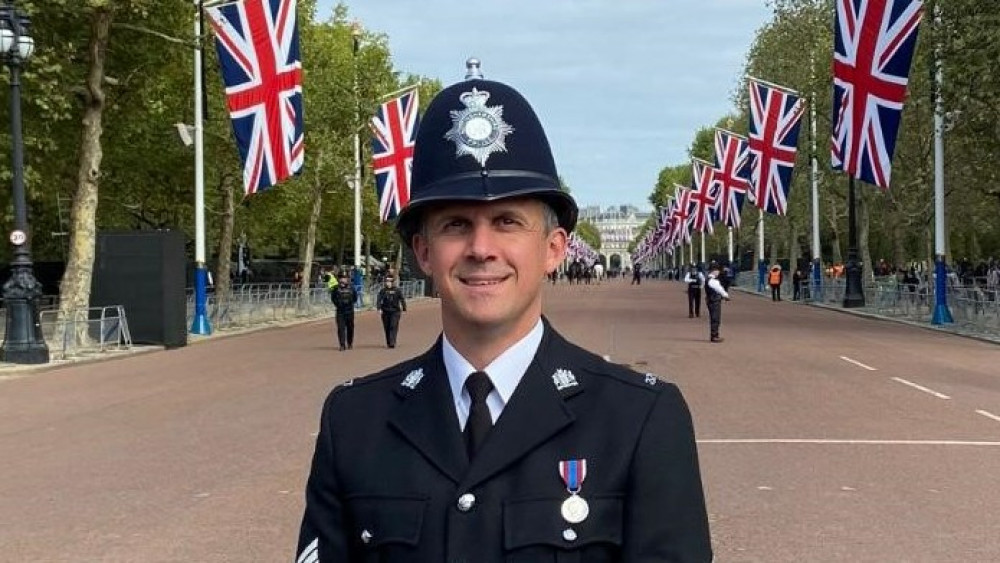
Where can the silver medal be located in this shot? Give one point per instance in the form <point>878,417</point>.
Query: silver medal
<point>574,509</point>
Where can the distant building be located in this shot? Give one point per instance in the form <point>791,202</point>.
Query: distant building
<point>618,226</point>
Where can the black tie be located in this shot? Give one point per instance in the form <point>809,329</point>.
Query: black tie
<point>478,385</point>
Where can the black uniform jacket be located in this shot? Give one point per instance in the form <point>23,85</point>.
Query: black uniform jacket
<point>390,300</point>
<point>343,298</point>
<point>390,468</point>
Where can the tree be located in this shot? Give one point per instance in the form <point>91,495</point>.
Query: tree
<point>589,234</point>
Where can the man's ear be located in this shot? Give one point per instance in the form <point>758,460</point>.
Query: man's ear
<point>421,249</point>
<point>556,247</point>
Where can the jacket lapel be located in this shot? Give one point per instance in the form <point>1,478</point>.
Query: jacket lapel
<point>426,418</point>
<point>537,410</point>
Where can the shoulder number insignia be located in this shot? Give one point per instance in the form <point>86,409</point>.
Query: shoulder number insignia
<point>413,378</point>
<point>651,379</point>
<point>478,130</point>
<point>563,378</point>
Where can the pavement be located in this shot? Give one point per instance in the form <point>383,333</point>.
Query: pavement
<point>822,436</point>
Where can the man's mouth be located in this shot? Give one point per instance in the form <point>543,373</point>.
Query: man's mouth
<point>479,281</point>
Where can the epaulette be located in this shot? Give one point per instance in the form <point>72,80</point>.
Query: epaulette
<point>621,372</point>
<point>397,370</point>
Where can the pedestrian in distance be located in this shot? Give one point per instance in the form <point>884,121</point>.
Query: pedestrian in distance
<point>504,441</point>
<point>392,304</point>
<point>344,298</point>
<point>774,278</point>
<point>637,275</point>
<point>797,278</point>
<point>694,280</point>
<point>715,294</point>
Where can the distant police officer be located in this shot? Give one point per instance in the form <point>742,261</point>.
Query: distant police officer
<point>343,297</point>
<point>504,441</point>
<point>714,294</point>
<point>694,280</point>
<point>391,303</point>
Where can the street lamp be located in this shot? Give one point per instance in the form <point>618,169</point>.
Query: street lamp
<point>854,293</point>
<point>23,341</point>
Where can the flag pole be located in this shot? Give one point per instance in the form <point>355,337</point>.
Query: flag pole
<point>942,314</point>
<point>761,262</point>
<point>817,261</point>
<point>730,246</point>
<point>703,249</point>
<point>356,36</point>
<point>199,324</point>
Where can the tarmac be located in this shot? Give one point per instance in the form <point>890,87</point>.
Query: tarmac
<point>823,437</point>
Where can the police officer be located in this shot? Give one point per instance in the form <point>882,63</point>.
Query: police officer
<point>694,280</point>
<point>714,294</point>
<point>343,297</point>
<point>503,441</point>
<point>391,303</point>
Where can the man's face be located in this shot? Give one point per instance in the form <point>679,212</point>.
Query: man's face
<point>489,261</point>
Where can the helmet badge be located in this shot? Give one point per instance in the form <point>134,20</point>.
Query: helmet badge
<point>478,130</point>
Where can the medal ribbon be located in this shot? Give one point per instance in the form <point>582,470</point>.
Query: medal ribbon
<point>573,472</point>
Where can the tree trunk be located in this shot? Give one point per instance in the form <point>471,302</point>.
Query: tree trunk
<point>223,285</point>
<point>74,291</point>
<point>309,247</point>
<point>929,248</point>
<point>899,258</point>
<point>838,256</point>
<point>758,252</point>
<point>794,248</point>
<point>863,232</point>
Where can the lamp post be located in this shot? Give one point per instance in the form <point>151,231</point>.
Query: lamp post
<point>356,181</point>
<point>854,294</point>
<point>23,342</point>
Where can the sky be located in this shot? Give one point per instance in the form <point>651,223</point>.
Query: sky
<point>621,86</point>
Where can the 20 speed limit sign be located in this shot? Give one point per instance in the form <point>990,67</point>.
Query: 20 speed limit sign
<point>18,237</point>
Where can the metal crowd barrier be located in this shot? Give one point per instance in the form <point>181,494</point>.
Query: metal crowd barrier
<point>85,331</point>
<point>975,309</point>
<point>262,303</point>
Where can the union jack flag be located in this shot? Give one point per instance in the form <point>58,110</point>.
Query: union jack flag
<point>666,227</point>
<point>681,215</point>
<point>703,195</point>
<point>394,133</point>
<point>258,46</point>
<point>732,175</point>
<point>775,117</point>
<point>873,46</point>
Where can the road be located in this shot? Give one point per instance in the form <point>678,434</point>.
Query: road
<point>824,437</point>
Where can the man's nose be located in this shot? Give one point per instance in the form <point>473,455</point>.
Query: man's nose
<point>482,242</point>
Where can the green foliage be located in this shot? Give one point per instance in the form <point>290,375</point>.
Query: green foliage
<point>589,233</point>
<point>147,174</point>
<point>794,49</point>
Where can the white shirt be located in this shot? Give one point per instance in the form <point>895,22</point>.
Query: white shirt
<point>505,372</point>
<point>699,277</point>
<point>715,285</point>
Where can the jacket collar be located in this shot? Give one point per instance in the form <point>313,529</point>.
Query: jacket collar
<point>537,410</point>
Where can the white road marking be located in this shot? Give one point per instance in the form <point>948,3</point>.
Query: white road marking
<point>988,415</point>
<point>921,388</point>
<point>847,442</point>
<point>857,363</point>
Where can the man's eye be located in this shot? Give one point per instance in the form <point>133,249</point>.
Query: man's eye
<point>454,225</point>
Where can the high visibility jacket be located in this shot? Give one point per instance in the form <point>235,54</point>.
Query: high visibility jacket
<point>774,277</point>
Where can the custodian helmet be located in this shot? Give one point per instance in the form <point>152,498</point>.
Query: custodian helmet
<point>479,140</point>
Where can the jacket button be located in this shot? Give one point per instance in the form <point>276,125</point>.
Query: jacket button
<point>569,534</point>
<point>466,502</point>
